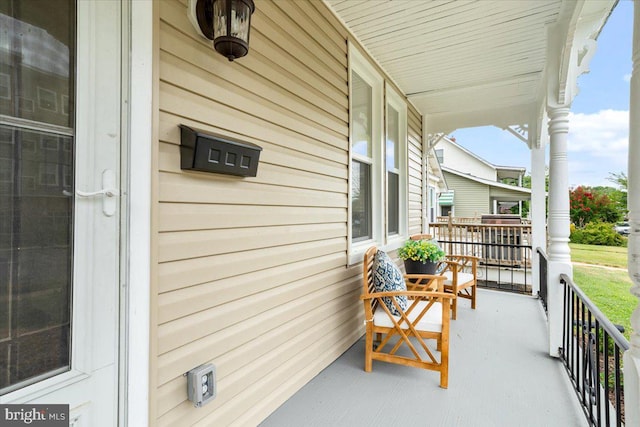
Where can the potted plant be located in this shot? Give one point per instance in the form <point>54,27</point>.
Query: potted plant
<point>421,256</point>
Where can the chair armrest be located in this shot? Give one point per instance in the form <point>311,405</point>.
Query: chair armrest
<point>462,261</point>
<point>463,258</point>
<point>422,282</point>
<point>454,267</point>
<point>449,264</point>
<point>409,294</point>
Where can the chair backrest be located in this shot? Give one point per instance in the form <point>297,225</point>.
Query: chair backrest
<point>421,237</point>
<point>367,282</point>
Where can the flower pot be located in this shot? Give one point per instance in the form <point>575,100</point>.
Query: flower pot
<point>417,267</point>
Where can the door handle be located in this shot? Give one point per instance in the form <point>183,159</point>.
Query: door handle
<point>109,192</point>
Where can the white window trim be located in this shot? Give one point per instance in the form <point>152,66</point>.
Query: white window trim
<point>364,69</point>
<point>397,103</point>
<point>359,64</point>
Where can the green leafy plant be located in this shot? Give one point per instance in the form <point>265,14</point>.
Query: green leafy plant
<point>597,233</point>
<point>421,250</point>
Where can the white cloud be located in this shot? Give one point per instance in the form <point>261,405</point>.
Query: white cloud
<point>605,133</point>
<point>598,144</point>
<point>627,78</point>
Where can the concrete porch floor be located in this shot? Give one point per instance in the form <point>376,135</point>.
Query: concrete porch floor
<point>499,375</point>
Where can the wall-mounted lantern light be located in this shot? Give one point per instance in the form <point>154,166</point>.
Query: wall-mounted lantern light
<point>226,22</point>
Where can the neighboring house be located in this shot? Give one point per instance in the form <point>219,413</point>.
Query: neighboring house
<point>475,185</point>
<point>121,271</point>
<point>436,187</point>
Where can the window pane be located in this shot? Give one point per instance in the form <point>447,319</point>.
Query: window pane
<point>37,45</point>
<point>361,201</point>
<point>36,54</point>
<point>35,253</point>
<point>393,196</point>
<point>361,105</point>
<point>393,138</point>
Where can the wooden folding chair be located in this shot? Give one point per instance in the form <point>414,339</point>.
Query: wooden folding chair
<point>403,338</point>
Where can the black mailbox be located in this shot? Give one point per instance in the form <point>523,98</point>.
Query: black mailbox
<point>207,152</point>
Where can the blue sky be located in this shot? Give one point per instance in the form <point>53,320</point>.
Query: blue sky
<point>598,126</point>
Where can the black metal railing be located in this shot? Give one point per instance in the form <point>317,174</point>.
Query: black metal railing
<point>543,263</point>
<point>502,272</point>
<point>592,354</point>
<point>504,252</point>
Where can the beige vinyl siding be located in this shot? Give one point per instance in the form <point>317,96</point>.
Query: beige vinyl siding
<point>252,273</point>
<point>414,147</point>
<point>471,198</point>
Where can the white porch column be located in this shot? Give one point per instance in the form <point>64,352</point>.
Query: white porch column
<point>520,201</point>
<point>425,206</point>
<point>632,357</point>
<point>537,207</point>
<point>558,185</point>
<point>558,223</point>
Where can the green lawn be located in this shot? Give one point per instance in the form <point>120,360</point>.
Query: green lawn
<point>607,288</point>
<point>601,255</point>
<point>609,291</point>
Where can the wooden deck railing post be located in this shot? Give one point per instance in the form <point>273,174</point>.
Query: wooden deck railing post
<point>450,232</point>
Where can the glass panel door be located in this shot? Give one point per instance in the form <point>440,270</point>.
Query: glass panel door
<point>60,135</point>
<point>37,45</point>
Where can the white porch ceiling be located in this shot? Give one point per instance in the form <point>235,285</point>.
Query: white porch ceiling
<point>471,63</point>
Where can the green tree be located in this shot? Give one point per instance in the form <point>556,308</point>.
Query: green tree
<point>620,194</point>
<point>587,205</point>
<point>620,179</point>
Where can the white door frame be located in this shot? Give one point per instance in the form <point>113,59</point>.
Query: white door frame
<point>136,211</point>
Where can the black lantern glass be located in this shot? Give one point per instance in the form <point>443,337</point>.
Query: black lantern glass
<point>226,22</point>
<point>231,24</point>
